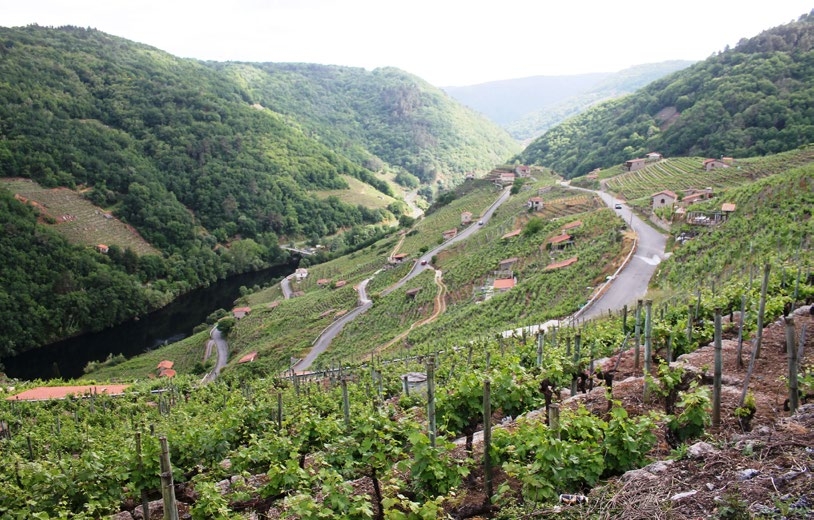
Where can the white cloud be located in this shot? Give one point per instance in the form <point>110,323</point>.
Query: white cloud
<point>444,41</point>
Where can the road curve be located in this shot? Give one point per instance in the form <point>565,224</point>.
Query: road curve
<point>631,283</point>
<point>223,354</point>
<point>418,267</point>
<point>322,342</point>
<point>285,285</point>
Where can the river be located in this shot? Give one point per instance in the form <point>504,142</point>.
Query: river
<point>68,358</point>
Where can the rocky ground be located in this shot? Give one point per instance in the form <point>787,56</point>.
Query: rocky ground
<point>728,473</point>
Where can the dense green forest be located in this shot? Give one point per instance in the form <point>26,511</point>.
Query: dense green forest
<point>383,118</point>
<point>533,124</point>
<point>754,99</point>
<point>186,153</point>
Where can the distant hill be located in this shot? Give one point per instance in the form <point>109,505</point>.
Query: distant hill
<point>752,100</point>
<point>527,107</point>
<point>385,118</point>
<point>214,165</point>
<point>508,100</point>
<point>534,124</point>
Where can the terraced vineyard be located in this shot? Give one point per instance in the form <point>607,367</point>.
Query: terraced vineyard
<point>77,219</point>
<point>676,174</point>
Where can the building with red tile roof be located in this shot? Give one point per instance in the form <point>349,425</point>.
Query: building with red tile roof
<point>560,265</point>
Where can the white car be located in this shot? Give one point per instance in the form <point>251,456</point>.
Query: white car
<point>617,206</point>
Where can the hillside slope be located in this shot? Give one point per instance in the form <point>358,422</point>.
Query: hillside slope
<point>752,100</point>
<point>192,160</point>
<point>533,124</point>
<point>379,119</point>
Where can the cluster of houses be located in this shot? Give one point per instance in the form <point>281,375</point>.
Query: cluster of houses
<point>637,164</point>
<point>504,277</point>
<point>669,199</point>
<point>503,178</point>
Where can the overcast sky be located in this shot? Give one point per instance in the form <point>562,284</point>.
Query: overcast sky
<point>446,42</point>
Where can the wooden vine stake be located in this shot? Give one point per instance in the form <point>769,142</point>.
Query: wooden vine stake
<point>740,331</point>
<point>716,381</point>
<point>554,418</point>
<point>431,399</point>
<point>145,505</point>
<point>762,309</point>
<point>791,352</point>
<point>637,334</point>
<point>167,486</point>
<point>345,402</point>
<point>648,340</point>
<point>487,439</point>
<point>279,411</point>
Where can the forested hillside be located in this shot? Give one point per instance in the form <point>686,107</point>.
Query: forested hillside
<point>383,118</point>
<point>199,163</point>
<point>534,123</point>
<point>752,100</point>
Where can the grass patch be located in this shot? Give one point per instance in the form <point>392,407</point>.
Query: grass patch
<point>76,218</point>
<point>187,354</point>
<point>358,193</point>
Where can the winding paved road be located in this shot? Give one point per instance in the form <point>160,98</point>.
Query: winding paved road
<point>285,285</point>
<point>223,354</point>
<point>631,283</point>
<point>324,340</point>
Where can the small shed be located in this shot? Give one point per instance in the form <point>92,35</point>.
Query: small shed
<point>414,382</point>
<point>559,241</point>
<point>560,265</point>
<point>322,282</point>
<point>653,156</point>
<point>399,258</point>
<point>164,365</point>
<point>535,204</point>
<point>102,248</point>
<point>241,312</point>
<point>450,233</point>
<point>340,283</point>
<point>466,218</point>
<point>507,178</point>
<point>512,234</point>
<point>634,164</point>
<point>728,207</point>
<point>301,274</point>
<point>411,293</point>
<point>522,170</point>
<point>507,263</point>
<point>248,358</point>
<point>663,198</point>
<point>503,284</point>
<point>711,164</point>
<point>571,225</point>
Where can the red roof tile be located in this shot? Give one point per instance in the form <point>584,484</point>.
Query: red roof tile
<point>503,283</point>
<point>573,224</point>
<point>61,392</point>
<point>559,238</point>
<point>248,358</point>
<point>558,265</point>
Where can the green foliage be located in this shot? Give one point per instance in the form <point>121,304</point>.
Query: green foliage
<point>694,417</point>
<point>433,470</point>
<point>742,102</point>
<point>548,462</point>
<point>225,326</point>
